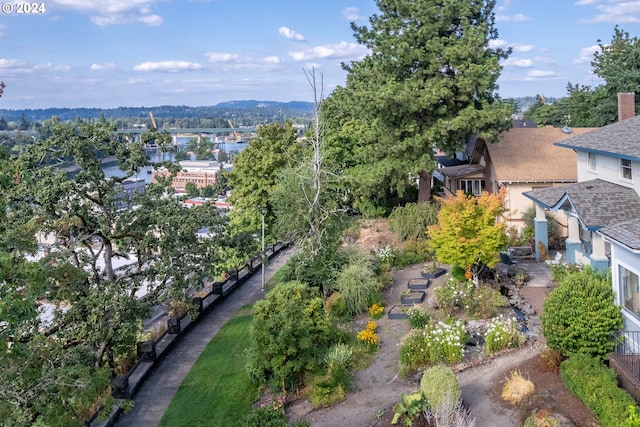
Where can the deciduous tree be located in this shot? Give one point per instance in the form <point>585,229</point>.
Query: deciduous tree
<point>468,233</point>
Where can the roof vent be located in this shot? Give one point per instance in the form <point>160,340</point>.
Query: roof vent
<point>589,187</point>
<point>566,129</point>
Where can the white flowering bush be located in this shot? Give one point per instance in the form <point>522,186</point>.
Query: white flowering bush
<point>502,333</point>
<point>438,342</point>
<point>385,255</point>
<point>476,301</point>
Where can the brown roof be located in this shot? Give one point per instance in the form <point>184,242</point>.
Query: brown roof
<point>529,155</point>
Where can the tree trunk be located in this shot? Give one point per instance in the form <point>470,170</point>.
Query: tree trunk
<point>424,186</point>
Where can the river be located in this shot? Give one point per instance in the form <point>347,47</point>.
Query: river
<point>159,156</point>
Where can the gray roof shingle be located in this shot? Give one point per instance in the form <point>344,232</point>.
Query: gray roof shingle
<point>626,233</point>
<point>598,203</point>
<point>621,139</point>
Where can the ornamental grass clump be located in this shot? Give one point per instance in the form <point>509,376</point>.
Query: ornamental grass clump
<point>502,333</point>
<point>517,388</point>
<point>436,343</point>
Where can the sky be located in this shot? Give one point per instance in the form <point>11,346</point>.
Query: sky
<point>111,53</point>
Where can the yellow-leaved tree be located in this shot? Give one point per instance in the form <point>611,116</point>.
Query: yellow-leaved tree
<point>468,233</point>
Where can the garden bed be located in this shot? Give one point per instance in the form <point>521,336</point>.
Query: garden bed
<point>418,283</point>
<point>413,297</point>
<point>399,312</point>
<point>434,274</point>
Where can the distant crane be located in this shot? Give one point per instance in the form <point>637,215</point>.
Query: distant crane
<point>235,134</point>
<point>153,120</point>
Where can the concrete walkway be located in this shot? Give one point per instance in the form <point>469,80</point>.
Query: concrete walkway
<point>154,396</point>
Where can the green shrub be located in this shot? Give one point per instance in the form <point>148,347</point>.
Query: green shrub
<point>358,285</point>
<point>410,406</point>
<point>580,314</point>
<point>597,386</point>
<point>326,393</point>
<point>418,319</point>
<point>439,383</point>
<point>411,220</point>
<point>265,417</point>
<point>289,328</point>
<point>407,258</point>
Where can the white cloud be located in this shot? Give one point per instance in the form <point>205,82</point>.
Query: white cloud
<point>518,17</point>
<point>586,54</point>
<point>7,64</point>
<point>171,66</point>
<point>105,66</point>
<point>290,34</point>
<point>272,60</point>
<point>523,48</point>
<point>342,50</point>
<point>222,57</point>
<point>105,6</point>
<point>114,12</point>
<point>498,44</point>
<point>534,75</point>
<point>13,67</point>
<point>233,61</point>
<point>352,14</point>
<point>138,81</point>
<point>517,63</point>
<point>151,20</point>
<point>613,11</point>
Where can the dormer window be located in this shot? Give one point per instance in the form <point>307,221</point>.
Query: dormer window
<point>625,169</point>
<point>592,161</point>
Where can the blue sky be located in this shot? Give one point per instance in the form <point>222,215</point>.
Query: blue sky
<point>110,53</point>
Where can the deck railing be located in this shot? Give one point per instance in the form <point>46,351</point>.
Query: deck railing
<point>627,351</point>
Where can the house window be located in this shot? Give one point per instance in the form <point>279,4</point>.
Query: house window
<point>472,186</point>
<point>630,292</point>
<point>593,161</point>
<point>625,169</point>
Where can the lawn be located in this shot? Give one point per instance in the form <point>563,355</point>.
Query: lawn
<point>217,391</point>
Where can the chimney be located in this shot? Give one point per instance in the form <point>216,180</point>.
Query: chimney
<point>626,105</point>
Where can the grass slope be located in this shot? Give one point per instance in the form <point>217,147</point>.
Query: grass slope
<point>217,391</point>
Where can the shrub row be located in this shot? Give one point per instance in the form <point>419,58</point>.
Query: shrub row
<point>597,386</point>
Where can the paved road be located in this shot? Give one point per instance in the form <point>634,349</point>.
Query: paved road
<point>156,393</point>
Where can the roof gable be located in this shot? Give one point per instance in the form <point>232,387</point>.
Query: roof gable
<point>620,139</point>
<point>529,155</point>
<point>594,201</point>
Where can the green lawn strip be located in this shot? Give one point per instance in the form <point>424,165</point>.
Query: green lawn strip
<point>217,391</point>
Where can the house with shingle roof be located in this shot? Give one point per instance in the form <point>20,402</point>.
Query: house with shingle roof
<point>603,207</point>
<point>523,160</point>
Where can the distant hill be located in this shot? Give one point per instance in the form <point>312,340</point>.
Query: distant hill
<point>267,109</point>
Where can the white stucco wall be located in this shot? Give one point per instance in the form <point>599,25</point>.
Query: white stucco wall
<point>517,204</point>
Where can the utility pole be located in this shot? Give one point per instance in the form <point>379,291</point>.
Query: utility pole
<point>263,212</point>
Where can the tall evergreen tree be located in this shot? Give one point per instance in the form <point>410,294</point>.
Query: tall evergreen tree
<point>429,81</point>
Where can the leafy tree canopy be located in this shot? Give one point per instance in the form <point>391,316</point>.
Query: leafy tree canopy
<point>468,233</point>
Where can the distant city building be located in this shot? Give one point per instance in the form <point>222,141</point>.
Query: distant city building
<point>129,188</point>
<point>202,173</point>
